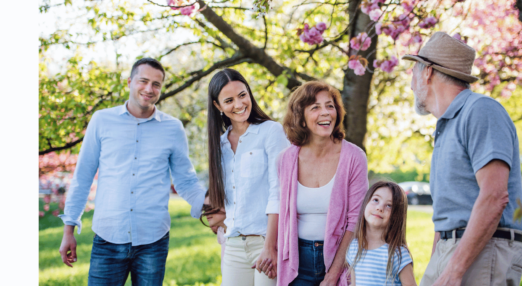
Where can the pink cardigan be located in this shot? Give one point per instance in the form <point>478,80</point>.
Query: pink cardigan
<point>350,186</point>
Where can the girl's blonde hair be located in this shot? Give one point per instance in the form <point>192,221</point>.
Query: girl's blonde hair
<point>395,233</point>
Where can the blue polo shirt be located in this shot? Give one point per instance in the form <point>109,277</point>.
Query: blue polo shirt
<point>474,130</point>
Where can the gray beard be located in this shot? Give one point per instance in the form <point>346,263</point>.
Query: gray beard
<point>420,100</point>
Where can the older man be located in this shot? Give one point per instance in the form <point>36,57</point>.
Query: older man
<point>475,171</point>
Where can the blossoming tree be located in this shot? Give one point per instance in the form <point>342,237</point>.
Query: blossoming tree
<point>355,45</point>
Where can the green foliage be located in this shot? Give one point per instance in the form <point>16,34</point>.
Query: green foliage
<point>68,100</point>
<point>194,254</point>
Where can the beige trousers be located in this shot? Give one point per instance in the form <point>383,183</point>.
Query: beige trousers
<point>241,253</point>
<point>499,263</point>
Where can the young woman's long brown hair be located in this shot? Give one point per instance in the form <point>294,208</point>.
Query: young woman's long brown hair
<point>395,233</point>
<point>217,124</point>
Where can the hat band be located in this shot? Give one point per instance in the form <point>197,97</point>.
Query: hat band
<point>431,62</point>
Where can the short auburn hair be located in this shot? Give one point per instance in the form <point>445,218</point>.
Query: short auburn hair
<point>302,97</point>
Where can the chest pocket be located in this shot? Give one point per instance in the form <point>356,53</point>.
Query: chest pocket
<point>253,163</point>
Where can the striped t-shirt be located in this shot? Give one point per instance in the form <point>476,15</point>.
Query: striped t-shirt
<point>371,268</point>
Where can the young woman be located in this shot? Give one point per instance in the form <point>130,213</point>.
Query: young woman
<point>323,181</point>
<point>379,255</point>
<point>244,144</point>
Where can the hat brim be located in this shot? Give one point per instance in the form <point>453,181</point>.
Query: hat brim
<point>453,73</point>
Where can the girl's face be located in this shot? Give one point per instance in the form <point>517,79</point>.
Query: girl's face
<point>234,101</point>
<point>215,220</point>
<point>378,210</point>
<point>320,117</point>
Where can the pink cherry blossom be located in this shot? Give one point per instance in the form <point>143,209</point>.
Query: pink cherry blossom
<point>361,42</point>
<point>368,6</point>
<point>56,212</point>
<point>375,14</point>
<point>428,22</point>
<point>386,65</point>
<point>46,207</point>
<point>313,36</point>
<point>321,26</point>
<point>417,38</point>
<point>356,64</point>
<point>187,11</point>
<point>407,5</point>
<point>41,214</point>
<point>47,199</point>
<point>389,65</point>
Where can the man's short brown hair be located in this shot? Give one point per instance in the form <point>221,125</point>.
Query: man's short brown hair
<point>302,97</point>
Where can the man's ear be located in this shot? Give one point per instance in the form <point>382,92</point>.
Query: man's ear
<point>429,74</point>
<point>128,82</point>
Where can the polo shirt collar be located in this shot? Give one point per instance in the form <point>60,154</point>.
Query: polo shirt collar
<point>456,105</point>
<point>125,110</point>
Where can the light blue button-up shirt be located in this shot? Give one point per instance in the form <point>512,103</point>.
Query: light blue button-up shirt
<point>136,158</point>
<point>251,180</point>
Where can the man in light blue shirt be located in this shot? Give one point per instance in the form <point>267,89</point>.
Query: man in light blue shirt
<point>136,149</point>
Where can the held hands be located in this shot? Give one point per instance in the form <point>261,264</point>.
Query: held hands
<point>267,262</point>
<point>329,281</point>
<point>68,247</point>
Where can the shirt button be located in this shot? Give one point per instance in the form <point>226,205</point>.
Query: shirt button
<point>136,141</point>
<point>232,171</point>
<point>233,187</point>
<point>133,174</point>
<point>250,153</point>
<point>135,158</point>
<point>132,192</point>
<point>131,209</point>
<point>239,141</point>
<point>138,124</point>
<point>234,203</point>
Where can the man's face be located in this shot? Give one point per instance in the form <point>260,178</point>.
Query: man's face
<point>145,87</point>
<point>420,91</point>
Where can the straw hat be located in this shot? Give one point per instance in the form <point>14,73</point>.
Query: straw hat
<point>447,55</point>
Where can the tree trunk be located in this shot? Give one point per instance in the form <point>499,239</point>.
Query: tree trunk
<point>356,89</point>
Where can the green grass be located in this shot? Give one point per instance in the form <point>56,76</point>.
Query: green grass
<point>194,254</point>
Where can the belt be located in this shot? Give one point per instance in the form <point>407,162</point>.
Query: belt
<point>244,236</point>
<point>498,234</point>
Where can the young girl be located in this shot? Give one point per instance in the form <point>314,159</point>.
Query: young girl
<point>378,254</point>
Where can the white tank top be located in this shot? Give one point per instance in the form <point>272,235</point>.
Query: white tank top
<point>312,207</point>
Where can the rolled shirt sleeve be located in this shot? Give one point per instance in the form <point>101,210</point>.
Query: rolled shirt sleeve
<point>490,134</point>
<point>357,188</point>
<point>86,168</point>
<point>274,145</point>
<point>184,176</point>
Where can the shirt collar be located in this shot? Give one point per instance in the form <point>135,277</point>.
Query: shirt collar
<point>155,115</point>
<point>456,104</point>
<point>252,128</point>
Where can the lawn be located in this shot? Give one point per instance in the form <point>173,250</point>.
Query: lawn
<point>194,254</point>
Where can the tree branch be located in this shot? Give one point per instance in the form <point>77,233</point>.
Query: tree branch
<point>64,147</point>
<point>257,55</point>
<point>190,43</point>
<point>234,60</point>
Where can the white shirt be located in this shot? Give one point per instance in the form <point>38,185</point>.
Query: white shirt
<point>250,177</point>
<point>312,207</point>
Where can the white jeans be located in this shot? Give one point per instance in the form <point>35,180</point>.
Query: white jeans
<point>241,253</point>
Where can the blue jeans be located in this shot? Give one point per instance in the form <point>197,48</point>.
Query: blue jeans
<point>111,263</point>
<point>311,263</point>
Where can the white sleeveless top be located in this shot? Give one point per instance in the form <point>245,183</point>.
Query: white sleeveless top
<point>312,207</point>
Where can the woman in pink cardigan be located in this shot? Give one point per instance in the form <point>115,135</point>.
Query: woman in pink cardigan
<point>323,180</point>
